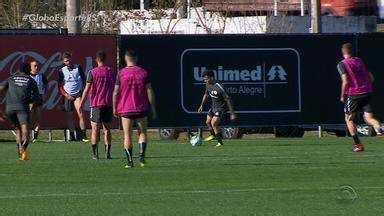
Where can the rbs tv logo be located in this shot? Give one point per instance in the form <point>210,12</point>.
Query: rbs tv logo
<point>265,80</point>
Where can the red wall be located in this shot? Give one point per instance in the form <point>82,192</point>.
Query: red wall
<point>47,50</point>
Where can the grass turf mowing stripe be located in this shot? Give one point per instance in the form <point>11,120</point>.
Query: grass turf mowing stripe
<point>182,192</point>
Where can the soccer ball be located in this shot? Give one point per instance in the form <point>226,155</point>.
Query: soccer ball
<point>195,140</point>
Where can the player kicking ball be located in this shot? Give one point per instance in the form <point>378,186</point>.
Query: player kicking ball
<point>220,100</point>
<point>356,90</point>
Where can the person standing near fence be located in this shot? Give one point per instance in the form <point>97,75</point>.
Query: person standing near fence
<point>99,88</point>
<point>133,100</point>
<point>71,84</point>
<point>36,109</point>
<point>21,91</point>
<point>356,91</point>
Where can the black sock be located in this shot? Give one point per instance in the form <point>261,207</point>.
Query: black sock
<point>95,150</point>
<point>219,137</point>
<point>212,132</point>
<point>84,134</point>
<point>25,144</point>
<point>128,154</point>
<point>72,136</point>
<point>143,147</point>
<point>108,149</point>
<point>356,139</point>
<point>18,147</point>
<point>35,134</point>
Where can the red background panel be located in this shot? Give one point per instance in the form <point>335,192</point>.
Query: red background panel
<point>47,50</point>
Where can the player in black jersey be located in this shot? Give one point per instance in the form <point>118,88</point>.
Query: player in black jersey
<point>220,101</point>
<point>21,92</point>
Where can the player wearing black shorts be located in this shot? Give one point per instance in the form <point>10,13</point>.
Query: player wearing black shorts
<point>356,90</point>
<point>21,91</point>
<point>220,101</point>
<point>133,100</point>
<point>99,88</point>
<point>358,104</point>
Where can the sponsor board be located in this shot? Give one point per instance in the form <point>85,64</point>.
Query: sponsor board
<point>47,51</point>
<point>267,79</point>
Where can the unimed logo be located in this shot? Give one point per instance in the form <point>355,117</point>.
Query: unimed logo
<point>259,80</point>
<point>241,74</point>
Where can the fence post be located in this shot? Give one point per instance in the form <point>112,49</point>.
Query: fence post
<point>142,5</point>
<point>50,135</point>
<point>275,8</point>
<point>320,131</point>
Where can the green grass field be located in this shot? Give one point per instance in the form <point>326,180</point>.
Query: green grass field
<point>306,176</point>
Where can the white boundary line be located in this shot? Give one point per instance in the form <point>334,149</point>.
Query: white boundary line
<point>176,192</point>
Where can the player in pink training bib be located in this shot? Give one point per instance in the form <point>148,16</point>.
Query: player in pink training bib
<point>99,88</point>
<point>356,90</point>
<point>133,100</point>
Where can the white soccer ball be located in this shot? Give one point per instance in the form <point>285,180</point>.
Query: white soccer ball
<point>195,140</point>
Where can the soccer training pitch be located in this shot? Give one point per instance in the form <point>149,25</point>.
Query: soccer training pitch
<point>307,176</point>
